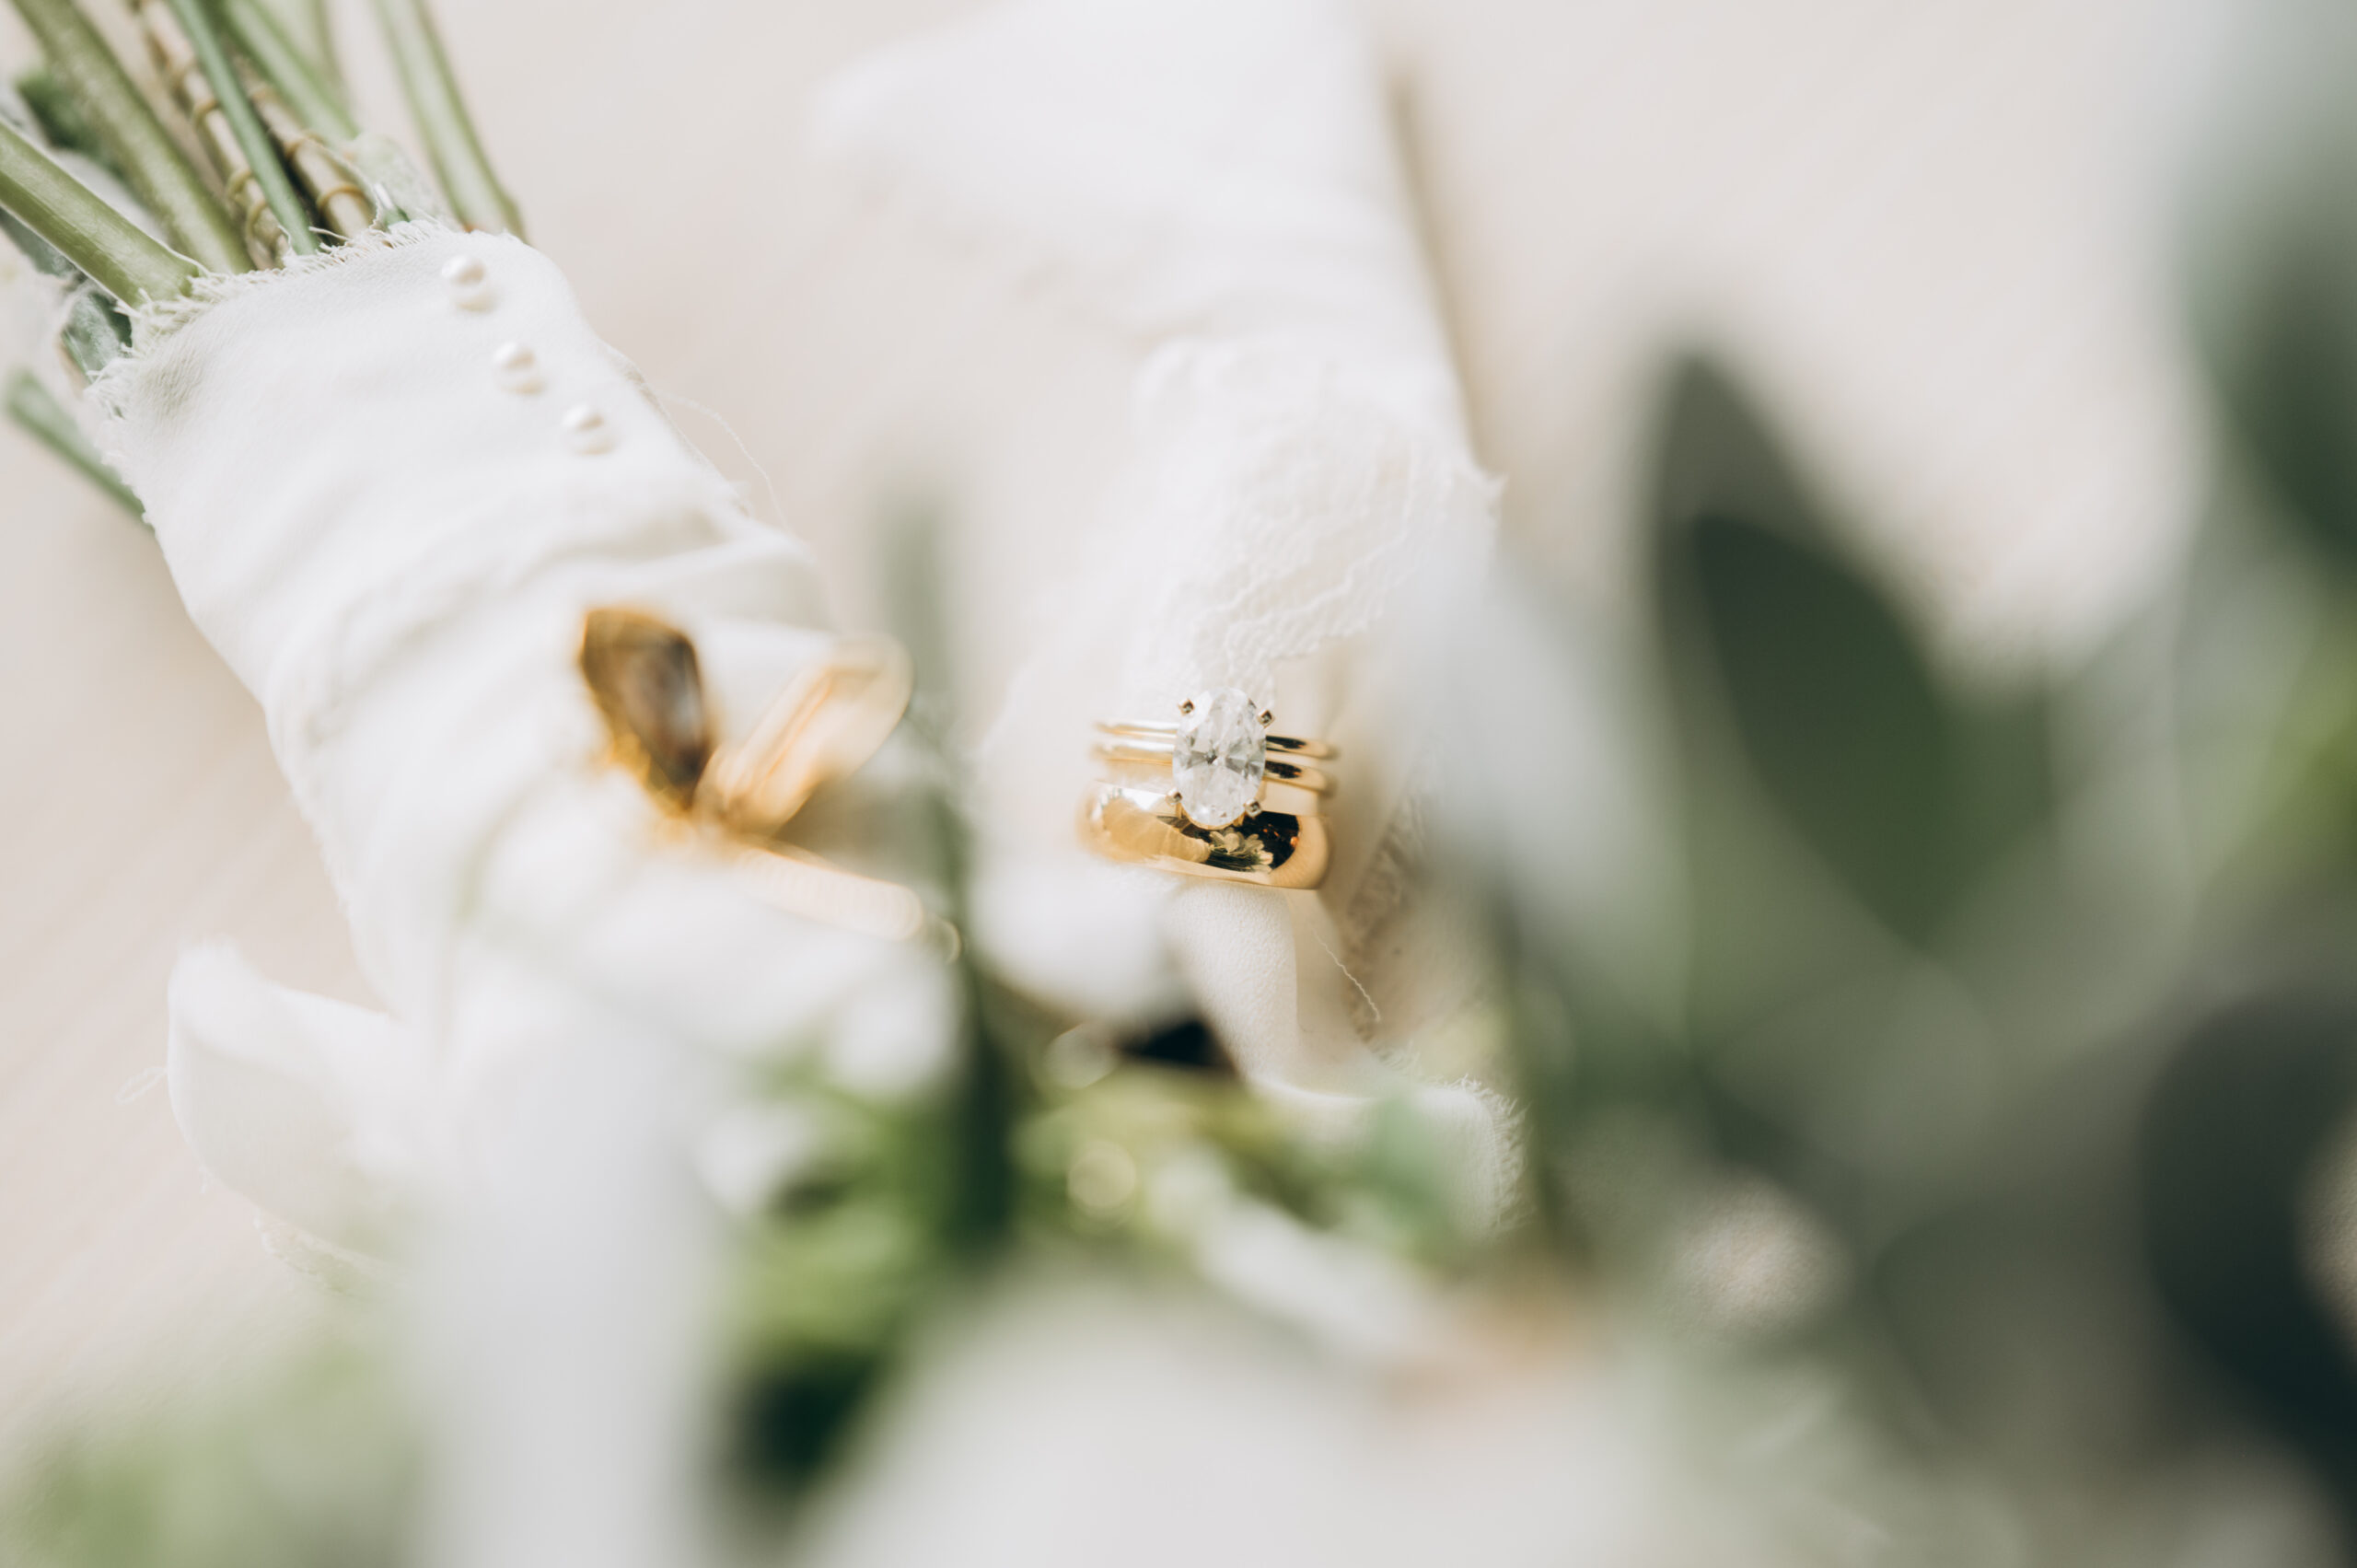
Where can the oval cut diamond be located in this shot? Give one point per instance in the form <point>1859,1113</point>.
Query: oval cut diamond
<point>1217,758</point>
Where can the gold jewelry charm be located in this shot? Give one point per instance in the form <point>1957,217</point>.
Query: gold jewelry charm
<point>642,674</point>
<point>830,720</point>
<point>1212,795</point>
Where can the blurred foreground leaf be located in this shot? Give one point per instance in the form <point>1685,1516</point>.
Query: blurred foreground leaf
<point>2271,254</point>
<point>1905,790</point>
<point>2231,1139</point>
<point>313,1465</point>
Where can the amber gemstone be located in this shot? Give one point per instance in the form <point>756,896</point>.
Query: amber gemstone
<point>644,675</point>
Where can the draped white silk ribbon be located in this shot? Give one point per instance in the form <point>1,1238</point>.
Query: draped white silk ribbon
<point>393,534</point>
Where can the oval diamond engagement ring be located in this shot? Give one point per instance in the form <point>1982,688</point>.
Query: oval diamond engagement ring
<point>1212,795</point>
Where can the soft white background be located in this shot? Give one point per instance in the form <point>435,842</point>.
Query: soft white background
<point>1933,236</point>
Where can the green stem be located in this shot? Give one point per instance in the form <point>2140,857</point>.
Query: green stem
<point>116,254</point>
<point>475,192</point>
<point>306,25</point>
<point>39,416</point>
<point>96,332</point>
<point>285,66</point>
<point>261,153</point>
<point>135,140</point>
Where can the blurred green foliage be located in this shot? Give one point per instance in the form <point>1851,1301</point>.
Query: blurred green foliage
<point>2033,996</point>
<point>306,1465</point>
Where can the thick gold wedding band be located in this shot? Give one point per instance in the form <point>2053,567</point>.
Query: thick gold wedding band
<point>1212,794</point>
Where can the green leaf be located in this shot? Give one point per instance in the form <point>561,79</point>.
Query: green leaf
<point>2232,1138</point>
<point>2279,327</point>
<point>53,111</point>
<point>1902,789</point>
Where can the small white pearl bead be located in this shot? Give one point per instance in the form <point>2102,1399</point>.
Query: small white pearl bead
<point>468,282</point>
<point>517,368</point>
<point>585,429</point>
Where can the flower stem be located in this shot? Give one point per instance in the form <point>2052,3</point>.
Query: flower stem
<point>342,205</point>
<point>39,416</point>
<point>283,65</point>
<point>136,142</point>
<point>475,192</point>
<point>183,75</point>
<point>261,153</point>
<point>119,256</point>
<point>305,24</point>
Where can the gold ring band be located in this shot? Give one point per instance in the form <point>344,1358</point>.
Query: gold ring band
<point>1169,733</point>
<point>1300,775</point>
<point>1148,827</point>
<point>1274,793</point>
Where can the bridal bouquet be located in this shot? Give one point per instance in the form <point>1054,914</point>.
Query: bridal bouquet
<point>693,1006</point>
<point>1347,1061</point>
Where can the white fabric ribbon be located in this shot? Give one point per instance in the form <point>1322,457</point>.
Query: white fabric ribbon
<point>392,526</point>
<point>392,540</point>
<point>1214,178</point>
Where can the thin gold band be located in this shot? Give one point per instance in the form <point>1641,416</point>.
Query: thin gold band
<point>1276,794</point>
<point>1169,733</point>
<point>1300,775</point>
